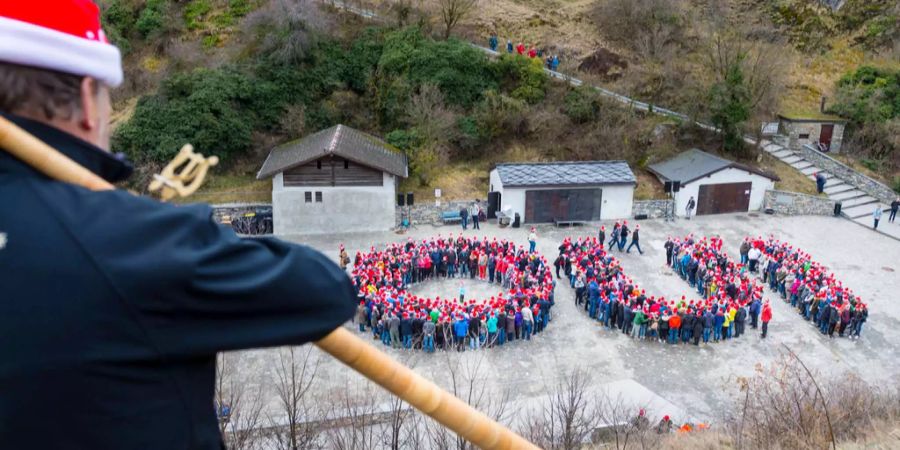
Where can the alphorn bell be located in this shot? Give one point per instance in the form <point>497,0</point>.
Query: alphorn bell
<point>348,348</point>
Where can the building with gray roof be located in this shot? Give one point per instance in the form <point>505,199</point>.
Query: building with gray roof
<point>716,184</point>
<point>335,180</point>
<point>563,191</point>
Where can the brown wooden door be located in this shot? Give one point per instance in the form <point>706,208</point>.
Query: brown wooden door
<point>723,198</point>
<point>825,135</point>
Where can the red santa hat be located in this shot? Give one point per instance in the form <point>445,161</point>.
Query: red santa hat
<point>60,35</point>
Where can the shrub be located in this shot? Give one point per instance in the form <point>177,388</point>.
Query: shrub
<point>215,110</point>
<point>152,19</point>
<point>522,78</point>
<point>498,114</point>
<point>118,19</point>
<point>459,70</point>
<point>581,104</point>
<point>194,13</point>
<point>869,94</point>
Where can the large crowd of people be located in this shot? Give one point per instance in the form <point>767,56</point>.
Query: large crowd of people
<point>707,268</point>
<point>521,308</point>
<point>807,286</point>
<point>608,295</point>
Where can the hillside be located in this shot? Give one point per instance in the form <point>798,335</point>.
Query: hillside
<point>236,77</point>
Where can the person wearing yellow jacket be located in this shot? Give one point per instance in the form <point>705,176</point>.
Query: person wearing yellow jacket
<point>726,327</point>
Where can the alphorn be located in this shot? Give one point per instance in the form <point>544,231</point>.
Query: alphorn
<point>346,347</point>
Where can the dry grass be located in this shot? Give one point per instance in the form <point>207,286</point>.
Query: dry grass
<point>648,186</point>
<point>231,189</point>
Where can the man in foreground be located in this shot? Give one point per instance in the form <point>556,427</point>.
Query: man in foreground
<point>117,304</point>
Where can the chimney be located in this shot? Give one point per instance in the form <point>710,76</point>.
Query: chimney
<point>822,105</point>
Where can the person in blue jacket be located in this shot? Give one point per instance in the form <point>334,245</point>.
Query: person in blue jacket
<point>114,302</point>
<point>492,42</point>
<point>509,46</point>
<point>460,331</point>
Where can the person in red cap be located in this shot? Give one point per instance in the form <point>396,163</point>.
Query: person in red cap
<point>124,319</point>
<point>766,317</point>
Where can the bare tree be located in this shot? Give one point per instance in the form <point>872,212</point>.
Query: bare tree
<point>239,407</point>
<point>284,28</point>
<point>430,115</point>
<point>467,374</point>
<point>763,65</point>
<point>355,417</point>
<point>567,419</point>
<point>453,12</point>
<point>649,27</point>
<point>296,371</point>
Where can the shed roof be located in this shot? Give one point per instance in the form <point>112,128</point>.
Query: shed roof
<point>795,116</point>
<point>695,164</point>
<point>565,173</point>
<point>339,140</point>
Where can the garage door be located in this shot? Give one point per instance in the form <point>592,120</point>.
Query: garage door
<point>562,204</point>
<point>723,198</point>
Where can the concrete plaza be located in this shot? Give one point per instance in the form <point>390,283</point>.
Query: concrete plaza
<point>698,381</point>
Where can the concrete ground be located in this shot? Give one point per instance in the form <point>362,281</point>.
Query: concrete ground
<point>699,381</point>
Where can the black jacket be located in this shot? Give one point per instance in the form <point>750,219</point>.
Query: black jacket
<point>114,307</point>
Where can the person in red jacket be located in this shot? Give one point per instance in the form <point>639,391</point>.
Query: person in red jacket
<point>766,317</point>
<point>520,49</point>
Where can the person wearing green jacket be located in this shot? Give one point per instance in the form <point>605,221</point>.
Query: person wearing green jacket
<point>640,324</point>
<point>492,330</point>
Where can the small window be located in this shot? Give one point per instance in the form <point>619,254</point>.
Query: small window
<point>318,197</point>
<point>308,197</point>
<point>804,136</point>
<point>319,164</point>
<point>346,164</point>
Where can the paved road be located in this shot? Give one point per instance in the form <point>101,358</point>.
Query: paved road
<point>699,380</point>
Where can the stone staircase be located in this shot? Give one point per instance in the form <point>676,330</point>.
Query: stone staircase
<point>856,205</point>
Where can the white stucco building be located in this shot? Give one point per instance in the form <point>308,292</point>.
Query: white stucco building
<point>716,184</point>
<point>334,181</point>
<point>564,191</point>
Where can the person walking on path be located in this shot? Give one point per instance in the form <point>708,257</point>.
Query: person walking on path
<point>509,46</point>
<point>877,216</point>
<point>689,208</point>
<point>766,317</point>
<point>532,240</point>
<point>475,213</point>
<point>492,42</point>
<point>635,240</point>
<point>464,215</point>
<point>623,236</point>
<point>820,182</point>
<point>894,206</point>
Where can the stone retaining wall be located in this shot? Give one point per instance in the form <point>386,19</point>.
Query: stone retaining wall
<point>654,209</point>
<point>221,212</point>
<point>850,176</point>
<point>797,204</point>
<point>429,213</point>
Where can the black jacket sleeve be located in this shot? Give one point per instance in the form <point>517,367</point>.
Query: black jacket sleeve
<point>196,288</point>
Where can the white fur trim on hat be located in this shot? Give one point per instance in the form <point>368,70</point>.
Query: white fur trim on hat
<point>31,45</point>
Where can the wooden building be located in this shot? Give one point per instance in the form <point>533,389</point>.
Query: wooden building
<point>333,181</point>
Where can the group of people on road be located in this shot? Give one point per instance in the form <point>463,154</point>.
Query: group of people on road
<point>399,319</point>
<point>608,295</point>
<point>807,286</point>
<point>716,277</point>
<point>619,237</point>
<point>531,51</point>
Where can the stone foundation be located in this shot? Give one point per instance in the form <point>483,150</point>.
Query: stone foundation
<point>796,204</point>
<point>654,209</point>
